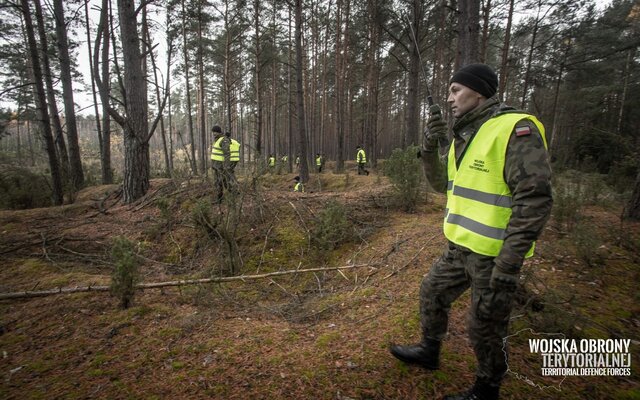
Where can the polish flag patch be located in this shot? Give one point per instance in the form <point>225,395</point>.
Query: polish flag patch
<point>523,131</point>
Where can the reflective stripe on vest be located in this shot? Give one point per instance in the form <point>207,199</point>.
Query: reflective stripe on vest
<point>361,157</point>
<point>216,151</point>
<point>234,150</point>
<point>478,199</point>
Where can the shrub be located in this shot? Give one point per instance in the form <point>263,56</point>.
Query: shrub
<point>203,219</point>
<point>404,170</point>
<point>22,189</point>
<point>333,228</point>
<point>125,275</point>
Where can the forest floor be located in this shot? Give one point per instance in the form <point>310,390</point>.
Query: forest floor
<point>322,335</point>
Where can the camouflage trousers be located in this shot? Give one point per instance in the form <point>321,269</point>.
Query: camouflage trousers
<point>218,183</point>
<point>456,271</point>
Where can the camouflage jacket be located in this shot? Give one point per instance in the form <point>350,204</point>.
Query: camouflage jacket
<point>526,172</point>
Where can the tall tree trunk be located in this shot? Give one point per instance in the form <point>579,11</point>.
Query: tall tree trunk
<point>41,105</point>
<point>303,157</point>
<point>339,78</point>
<point>158,84</point>
<point>93,83</point>
<point>50,93</point>
<point>504,64</point>
<point>556,111</point>
<point>468,32</point>
<point>527,74</point>
<point>228,80</point>
<point>32,158</point>
<point>373,73</point>
<point>136,126</point>
<point>632,210</point>
<point>185,54</point>
<point>412,116</point>
<point>75,161</point>
<point>103,81</point>
<point>302,135</point>
<point>486,11</point>
<point>258,78</point>
<point>202,112</point>
<point>625,87</point>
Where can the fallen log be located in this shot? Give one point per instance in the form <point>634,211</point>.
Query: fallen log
<point>155,285</point>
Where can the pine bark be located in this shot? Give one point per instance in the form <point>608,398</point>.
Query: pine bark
<point>41,105</point>
<point>302,135</point>
<point>75,161</point>
<point>185,54</point>
<point>504,65</point>
<point>50,95</point>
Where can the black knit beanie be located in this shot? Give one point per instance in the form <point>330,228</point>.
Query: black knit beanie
<point>479,77</point>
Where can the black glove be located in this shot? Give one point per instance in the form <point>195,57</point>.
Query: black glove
<point>504,279</point>
<point>436,127</point>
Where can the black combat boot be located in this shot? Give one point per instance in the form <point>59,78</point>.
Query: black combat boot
<point>425,354</point>
<point>481,390</point>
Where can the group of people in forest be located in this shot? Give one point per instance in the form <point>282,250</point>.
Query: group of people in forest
<point>498,201</point>
<point>225,154</point>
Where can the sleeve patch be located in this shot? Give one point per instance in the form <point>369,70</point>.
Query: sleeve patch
<point>523,131</point>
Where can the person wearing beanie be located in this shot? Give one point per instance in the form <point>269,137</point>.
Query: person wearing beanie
<point>220,151</point>
<point>498,201</point>
<point>298,186</point>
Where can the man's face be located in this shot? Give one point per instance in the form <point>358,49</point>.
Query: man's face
<point>462,99</point>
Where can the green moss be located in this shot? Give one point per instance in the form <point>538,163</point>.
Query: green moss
<point>169,333</point>
<point>99,359</point>
<point>177,365</point>
<point>41,366</point>
<point>96,372</point>
<point>34,267</point>
<point>9,339</point>
<point>627,394</point>
<point>325,340</point>
<point>139,311</point>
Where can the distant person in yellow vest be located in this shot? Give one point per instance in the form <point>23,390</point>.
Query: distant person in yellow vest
<point>361,160</point>
<point>319,162</point>
<point>230,166</point>
<point>498,201</point>
<point>298,186</point>
<point>219,152</point>
<point>271,163</point>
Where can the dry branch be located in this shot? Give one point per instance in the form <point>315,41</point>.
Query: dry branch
<point>80,289</point>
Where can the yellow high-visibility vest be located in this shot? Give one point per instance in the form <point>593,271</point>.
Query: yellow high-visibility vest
<point>272,161</point>
<point>234,149</point>
<point>216,151</point>
<point>361,157</point>
<point>478,198</point>
<point>319,161</point>
<point>299,187</point>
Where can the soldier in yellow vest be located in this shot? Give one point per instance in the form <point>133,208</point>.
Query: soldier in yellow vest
<point>298,186</point>
<point>498,200</point>
<point>361,160</point>
<point>219,151</point>
<point>319,162</point>
<point>234,158</point>
<point>271,163</point>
